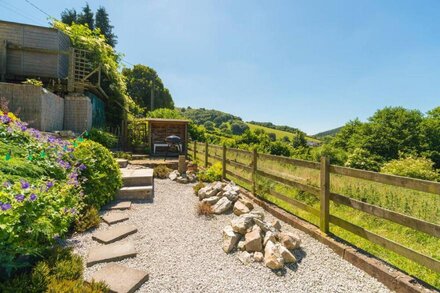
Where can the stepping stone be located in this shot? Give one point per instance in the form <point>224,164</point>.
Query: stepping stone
<point>114,234</point>
<point>111,252</point>
<point>119,278</point>
<point>123,163</point>
<point>135,192</point>
<point>122,205</point>
<point>113,218</point>
<point>137,177</point>
<point>139,157</point>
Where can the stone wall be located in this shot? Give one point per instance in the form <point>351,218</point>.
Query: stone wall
<point>77,113</point>
<point>42,109</point>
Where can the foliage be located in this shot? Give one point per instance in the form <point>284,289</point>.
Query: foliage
<point>238,127</point>
<point>88,218</point>
<point>337,156</point>
<point>161,171</point>
<point>33,81</point>
<point>102,22</point>
<point>331,132</point>
<point>213,173</point>
<point>278,127</point>
<point>202,115</point>
<point>363,159</point>
<point>122,155</point>
<point>86,17</point>
<point>421,168</point>
<point>204,209</point>
<point>107,139</point>
<point>165,113</point>
<point>141,80</point>
<point>197,187</point>
<point>102,173</point>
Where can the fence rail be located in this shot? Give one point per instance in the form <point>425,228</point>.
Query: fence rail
<point>323,193</point>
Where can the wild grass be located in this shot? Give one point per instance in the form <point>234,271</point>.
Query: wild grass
<point>417,204</point>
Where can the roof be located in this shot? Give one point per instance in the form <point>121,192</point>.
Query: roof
<point>27,24</point>
<point>161,120</point>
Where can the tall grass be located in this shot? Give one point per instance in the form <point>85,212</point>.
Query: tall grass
<point>417,204</point>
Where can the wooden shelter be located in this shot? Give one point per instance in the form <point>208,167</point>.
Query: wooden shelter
<point>160,129</point>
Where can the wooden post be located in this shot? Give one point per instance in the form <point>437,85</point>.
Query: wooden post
<point>206,154</point>
<point>325,195</point>
<point>254,172</point>
<point>224,162</point>
<point>195,152</point>
<point>71,76</point>
<point>4,61</point>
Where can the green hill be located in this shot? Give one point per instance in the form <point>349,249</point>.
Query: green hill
<point>279,133</point>
<point>331,132</point>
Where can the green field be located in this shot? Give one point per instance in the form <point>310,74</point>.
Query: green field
<point>279,133</point>
<point>417,204</point>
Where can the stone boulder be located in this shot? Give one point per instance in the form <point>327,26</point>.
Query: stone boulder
<point>247,203</point>
<point>270,236</point>
<point>240,208</point>
<point>276,224</point>
<point>264,225</point>
<point>245,257</point>
<point>272,256</point>
<point>289,240</point>
<point>253,240</point>
<point>258,256</point>
<point>230,239</point>
<point>287,255</point>
<point>242,223</point>
<point>241,245</point>
<point>211,200</point>
<point>222,206</point>
<point>173,175</point>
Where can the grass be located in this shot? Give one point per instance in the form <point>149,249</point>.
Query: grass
<point>279,133</point>
<point>417,204</point>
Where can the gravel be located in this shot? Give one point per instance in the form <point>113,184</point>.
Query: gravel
<point>183,253</point>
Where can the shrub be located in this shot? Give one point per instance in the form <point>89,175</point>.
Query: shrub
<point>107,139</point>
<point>161,171</point>
<point>33,81</point>
<point>204,209</point>
<point>102,174</point>
<point>69,269</point>
<point>337,156</point>
<point>122,155</point>
<point>88,218</point>
<point>197,187</point>
<point>363,159</point>
<point>420,168</point>
<point>213,173</point>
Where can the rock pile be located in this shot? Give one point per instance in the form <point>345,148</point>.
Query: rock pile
<point>221,196</point>
<point>184,178</point>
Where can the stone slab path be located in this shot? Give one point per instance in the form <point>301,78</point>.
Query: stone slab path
<point>122,205</point>
<point>114,217</point>
<point>120,278</point>
<point>111,252</point>
<point>183,253</point>
<point>114,233</point>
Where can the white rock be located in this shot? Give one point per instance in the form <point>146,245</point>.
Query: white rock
<point>270,236</point>
<point>258,256</point>
<point>272,256</point>
<point>264,225</point>
<point>247,203</point>
<point>242,223</point>
<point>240,208</point>
<point>287,255</point>
<point>203,192</point>
<point>245,257</point>
<point>211,200</point>
<point>257,214</point>
<point>241,245</point>
<point>223,205</point>
<point>230,239</point>
<point>173,175</point>
<point>289,240</point>
<point>253,241</point>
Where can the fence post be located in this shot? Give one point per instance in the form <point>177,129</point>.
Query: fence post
<point>325,194</point>
<point>195,152</point>
<point>254,172</point>
<point>224,162</point>
<point>206,154</point>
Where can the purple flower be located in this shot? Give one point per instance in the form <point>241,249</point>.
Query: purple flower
<point>49,184</point>
<point>64,164</point>
<point>22,125</point>
<point>5,119</point>
<point>72,211</point>
<point>73,175</point>
<point>82,167</point>
<point>32,197</point>
<point>19,197</point>
<point>6,206</point>
<point>24,184</point>
<point>51,139</point>
<point>7,184</point>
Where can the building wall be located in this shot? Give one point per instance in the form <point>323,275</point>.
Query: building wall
<point>42,109</point>
<point>77,113</point>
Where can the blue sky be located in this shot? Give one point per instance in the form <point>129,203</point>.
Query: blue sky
<point>308,64</point>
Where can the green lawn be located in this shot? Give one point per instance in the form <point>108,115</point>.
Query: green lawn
<point>279,133</point>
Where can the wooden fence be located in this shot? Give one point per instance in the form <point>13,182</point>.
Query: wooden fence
<point>324,194</point>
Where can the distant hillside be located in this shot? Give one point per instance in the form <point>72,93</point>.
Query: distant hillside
<point>279,133</point>
<point>202,115</point>
<point>331,132</point>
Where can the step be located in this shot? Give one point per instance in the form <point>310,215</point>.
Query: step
<point>114,217</point>
<point>123,163</point>
<point>114,233</point>
<point>137,177</point>
<point>118,205</point>
<point>135,192</point>
<point>139,157</point>
<point>120,278</point>
<point>111,252</point>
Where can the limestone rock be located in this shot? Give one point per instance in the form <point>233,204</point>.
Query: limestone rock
<point>230,239</point>
<point>257,214</point>
<point>240,208</point>
<point>289,240</point>
<point>272,256</point>
<point>258,256</point>
<point>211,200</point>
<point>276,224</point>
<point>241,245</point>
<point>287,255</point>
<point>253,241</point>
<point>270,236</point>
<point>182,179</point>
<point>247,203</point>
<point>223,205</point>
<point>173,175</point>
<point>242,223</point>
<point>245,257</point>
<point>264,225</point>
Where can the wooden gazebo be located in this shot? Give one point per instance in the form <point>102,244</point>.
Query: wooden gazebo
<point>159,129</point>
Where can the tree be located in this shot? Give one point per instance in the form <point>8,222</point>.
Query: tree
<point>86,17</point>
<point>140,80</point>
<point>299,140</point>
<point>69,16</point>
<point>272,136</point>
<point>421,168</point>
<point>102,22</point>
<point>209,125</point>
<point>430,136</point>
<point>238,127</point>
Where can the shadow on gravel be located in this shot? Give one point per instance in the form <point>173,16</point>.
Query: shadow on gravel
<point>299,255</point>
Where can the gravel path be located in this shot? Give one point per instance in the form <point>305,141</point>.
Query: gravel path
<point>183,253</point>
